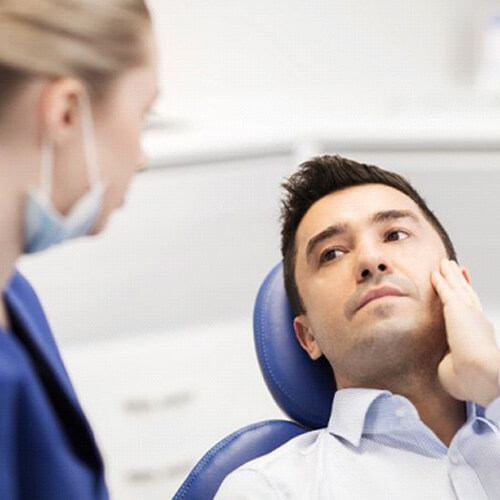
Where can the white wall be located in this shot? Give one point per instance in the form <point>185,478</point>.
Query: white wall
<point>343,46</point>
<point>191,246</point>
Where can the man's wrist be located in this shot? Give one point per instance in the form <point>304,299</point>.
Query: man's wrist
<point>488,388</point>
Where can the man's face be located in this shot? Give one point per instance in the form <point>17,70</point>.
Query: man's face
<point>364,256</point>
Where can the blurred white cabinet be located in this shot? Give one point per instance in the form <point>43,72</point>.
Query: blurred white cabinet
<point>158,402</point>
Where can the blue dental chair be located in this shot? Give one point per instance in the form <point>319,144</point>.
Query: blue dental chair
<point>302,388</point>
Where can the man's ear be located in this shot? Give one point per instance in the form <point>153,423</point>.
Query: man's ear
<point>305,336</point>
<point>466,275</point>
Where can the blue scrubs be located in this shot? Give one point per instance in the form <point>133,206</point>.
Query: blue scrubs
<point>47,449</point>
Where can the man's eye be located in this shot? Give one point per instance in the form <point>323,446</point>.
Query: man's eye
<point>394,235</point>
<point>329,255</point>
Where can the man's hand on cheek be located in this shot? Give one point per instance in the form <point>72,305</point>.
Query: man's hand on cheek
<point>469,371</point>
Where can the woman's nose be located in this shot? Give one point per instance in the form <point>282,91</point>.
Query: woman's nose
<point>143,161</point>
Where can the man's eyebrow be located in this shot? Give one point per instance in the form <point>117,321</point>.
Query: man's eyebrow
<point>327,233</point>
<point>386,215</point>
<point>342,227</point>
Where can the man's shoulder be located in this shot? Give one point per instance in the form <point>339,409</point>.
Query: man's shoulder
<point>285,456</point>
<point>263,476</point>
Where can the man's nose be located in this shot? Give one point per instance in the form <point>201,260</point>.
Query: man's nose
<point>370,264</point>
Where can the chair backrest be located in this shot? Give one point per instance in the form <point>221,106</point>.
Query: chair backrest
<point>236,449</point>
<point>302,388</point>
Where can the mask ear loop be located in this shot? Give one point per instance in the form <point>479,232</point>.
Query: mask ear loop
<point>89,140</point>
<point>47,163</point>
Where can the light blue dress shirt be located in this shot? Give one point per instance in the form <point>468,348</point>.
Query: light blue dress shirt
<point>376,447</point>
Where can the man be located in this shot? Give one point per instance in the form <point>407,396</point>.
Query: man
<point>372,280</point>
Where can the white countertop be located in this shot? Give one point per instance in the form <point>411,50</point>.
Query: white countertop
<point>216,128</point>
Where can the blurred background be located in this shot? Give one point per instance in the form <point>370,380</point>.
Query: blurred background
<point>154,315</point>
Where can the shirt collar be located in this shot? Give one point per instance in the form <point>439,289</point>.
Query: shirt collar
<point>349,410</point>
<point>473,410</point>
<point>356,411</point>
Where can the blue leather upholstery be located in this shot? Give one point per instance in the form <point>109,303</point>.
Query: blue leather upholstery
<point>302,388</point>
<point>235,450</point>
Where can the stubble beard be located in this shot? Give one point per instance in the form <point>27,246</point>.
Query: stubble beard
<point>393,352</point>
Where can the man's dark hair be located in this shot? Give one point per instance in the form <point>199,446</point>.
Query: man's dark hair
<point>321,176</point>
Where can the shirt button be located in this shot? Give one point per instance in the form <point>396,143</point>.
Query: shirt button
<point>454,459</point>
<point>401,412</point>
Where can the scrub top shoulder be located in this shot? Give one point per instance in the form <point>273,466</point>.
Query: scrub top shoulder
<point>47,449</point>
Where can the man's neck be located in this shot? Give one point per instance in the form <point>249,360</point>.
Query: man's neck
<point>443,414</point>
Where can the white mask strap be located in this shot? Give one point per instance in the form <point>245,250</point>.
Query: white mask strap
<point>89,140</point>
<point>47,162</point>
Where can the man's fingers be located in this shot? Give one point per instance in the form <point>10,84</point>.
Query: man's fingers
<point>463,277</point>
<point>470,288</point>
<point>456,280</point>
<point>442,287</point>
<point>448,271</point>
<point>458,283</point>
<point>448,379</point>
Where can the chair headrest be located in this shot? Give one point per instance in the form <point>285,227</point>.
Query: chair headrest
<point>303,388</point>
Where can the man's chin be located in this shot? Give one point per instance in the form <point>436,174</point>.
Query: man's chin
<point>389,331</point>
<point>380,355</point>
<point>384,307</point>
<point>383,315</point>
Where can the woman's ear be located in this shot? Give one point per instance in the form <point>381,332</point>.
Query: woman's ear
<point>305,336</point>
<point>60,111</point>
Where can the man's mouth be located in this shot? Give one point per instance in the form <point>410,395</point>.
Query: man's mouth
<point>378,293</point>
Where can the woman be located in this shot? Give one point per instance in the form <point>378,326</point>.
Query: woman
<point>77,78</point>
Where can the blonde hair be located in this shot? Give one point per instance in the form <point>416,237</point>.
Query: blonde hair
<point>92,40</point>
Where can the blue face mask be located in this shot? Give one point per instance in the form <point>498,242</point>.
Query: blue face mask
<point>44,226</point>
